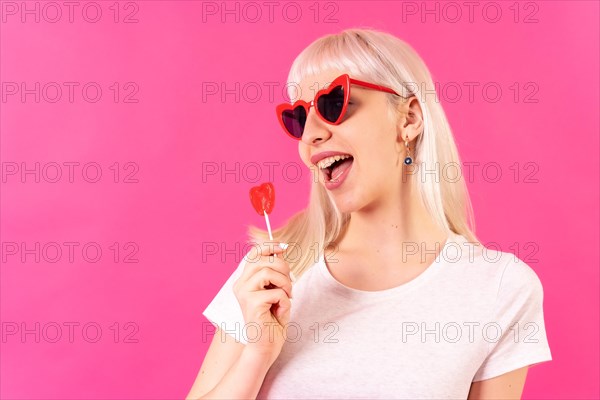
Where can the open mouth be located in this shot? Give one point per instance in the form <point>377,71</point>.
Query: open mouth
<point>334,167</point>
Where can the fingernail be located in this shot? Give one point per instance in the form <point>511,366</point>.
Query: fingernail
<point>283,245</point>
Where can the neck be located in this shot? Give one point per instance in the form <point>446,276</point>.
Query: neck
<point>398,227</point>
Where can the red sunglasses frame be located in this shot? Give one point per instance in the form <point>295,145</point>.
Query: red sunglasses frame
<point>343,80</point>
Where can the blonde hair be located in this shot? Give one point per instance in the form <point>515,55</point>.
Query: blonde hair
<point>381,58</point>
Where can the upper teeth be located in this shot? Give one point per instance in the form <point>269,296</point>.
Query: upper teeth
<point>326,162</point>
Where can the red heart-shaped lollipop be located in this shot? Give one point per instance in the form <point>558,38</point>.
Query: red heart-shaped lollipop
<point>263,198</point>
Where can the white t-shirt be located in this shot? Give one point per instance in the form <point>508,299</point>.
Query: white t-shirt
<point>471,315</point>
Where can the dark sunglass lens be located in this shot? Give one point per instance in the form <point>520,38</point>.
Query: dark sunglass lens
<point>294,121</point>
<point>330,105</point>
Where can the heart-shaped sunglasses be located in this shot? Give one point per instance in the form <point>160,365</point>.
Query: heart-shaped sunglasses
<point>331,102</point>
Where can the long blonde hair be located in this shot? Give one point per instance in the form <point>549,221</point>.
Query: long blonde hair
<point>381,58</point>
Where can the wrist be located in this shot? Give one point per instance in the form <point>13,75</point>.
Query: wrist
<point>258,356</point>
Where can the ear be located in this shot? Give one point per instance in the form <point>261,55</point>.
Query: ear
<point>410,119</point>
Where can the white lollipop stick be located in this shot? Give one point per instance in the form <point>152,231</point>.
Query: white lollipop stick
<point>271,238</point>
<point>268,224</point>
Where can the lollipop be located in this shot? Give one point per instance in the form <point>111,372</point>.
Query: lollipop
<point>263,200</point>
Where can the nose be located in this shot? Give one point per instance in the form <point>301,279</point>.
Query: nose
<point>315,130</point>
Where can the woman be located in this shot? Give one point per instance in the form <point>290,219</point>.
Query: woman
<point>394,296</point>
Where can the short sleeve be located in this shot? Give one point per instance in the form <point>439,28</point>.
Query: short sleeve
<point>519,320</point>
<point>224,310</point>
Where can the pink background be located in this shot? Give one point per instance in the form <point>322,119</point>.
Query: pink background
<point>177,213</point>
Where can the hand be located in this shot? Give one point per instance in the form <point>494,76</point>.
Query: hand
<point>264,290</point>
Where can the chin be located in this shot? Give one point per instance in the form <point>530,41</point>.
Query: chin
<point>345,203</point>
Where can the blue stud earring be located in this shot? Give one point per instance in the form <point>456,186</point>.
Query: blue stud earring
<point>408,160</point>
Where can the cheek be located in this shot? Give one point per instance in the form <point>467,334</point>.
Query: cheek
<point>303,153</point>
<point>376,151</point>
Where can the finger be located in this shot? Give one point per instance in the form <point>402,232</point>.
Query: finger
<point>281,311</point>
<point>266,277</point>
<point>270,247</point>
<point>274,297</point>
<point>254,265</point>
